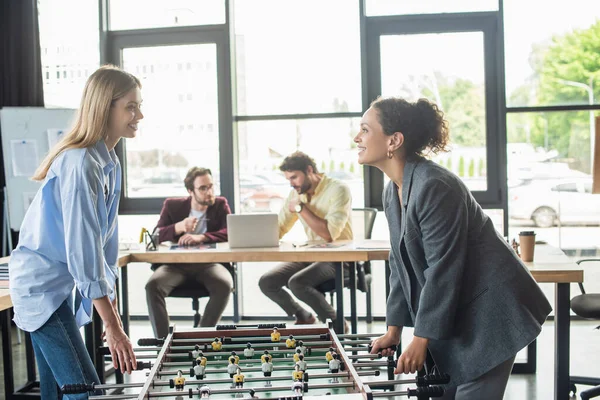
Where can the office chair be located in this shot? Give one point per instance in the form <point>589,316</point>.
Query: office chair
<point>586,305</point>
<point>196,291</point>
<point>363,220</point>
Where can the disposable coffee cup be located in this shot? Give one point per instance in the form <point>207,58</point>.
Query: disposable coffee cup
<point>527,245</point>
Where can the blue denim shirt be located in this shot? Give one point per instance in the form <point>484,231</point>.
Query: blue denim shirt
<point>69,238</point>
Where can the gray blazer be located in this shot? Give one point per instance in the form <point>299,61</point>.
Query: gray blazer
<point>454,278</point>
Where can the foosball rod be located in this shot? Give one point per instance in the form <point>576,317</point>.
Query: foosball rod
<point>420,393</point>
<point>257,360</point>
<point>85,388</point>
<point>284,368</point>
<point>432,379</point>
<point>208,348</point>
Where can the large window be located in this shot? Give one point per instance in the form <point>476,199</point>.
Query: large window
<point>555,61</point>
<point>297,57</point>
<point>69,49</point>
<point>397,7</point>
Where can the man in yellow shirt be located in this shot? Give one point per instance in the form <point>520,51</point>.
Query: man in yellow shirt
<point>323,205</point>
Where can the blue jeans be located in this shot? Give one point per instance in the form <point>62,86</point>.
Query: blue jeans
<point>61,355</point>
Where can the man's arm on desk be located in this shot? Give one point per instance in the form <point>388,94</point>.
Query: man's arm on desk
<point>217,221</point>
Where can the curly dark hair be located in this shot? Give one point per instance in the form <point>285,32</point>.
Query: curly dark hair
<point>192,174</point>
<point>422,123</point>
<point>298,161</point>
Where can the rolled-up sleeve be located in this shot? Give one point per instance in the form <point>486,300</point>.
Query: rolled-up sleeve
<point>339,211</point>
<point>80,192</point>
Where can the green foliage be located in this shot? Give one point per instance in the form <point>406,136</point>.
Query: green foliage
<point>352,168</point>
<point>342,166</point>
<point>481,167</point>
<point>565,67</point>
<point>331,165</point>
<point>449,164</point>
<point>323,166</point>
<point>461,166</point>
<point>472,168</point>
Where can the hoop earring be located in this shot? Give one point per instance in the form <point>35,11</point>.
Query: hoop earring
<point>390,154</point>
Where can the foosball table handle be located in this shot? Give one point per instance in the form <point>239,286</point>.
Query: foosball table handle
<point>76,388</point>
<point>151,342</point>
<point>433,379</point>
<point>426,392</point>
<point>143,365</point>
<point>393,348</point>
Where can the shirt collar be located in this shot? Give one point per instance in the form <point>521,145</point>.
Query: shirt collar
<point>106,158</point>
<point>320,186</point>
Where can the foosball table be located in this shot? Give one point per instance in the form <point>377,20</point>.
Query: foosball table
<point>263,361</point>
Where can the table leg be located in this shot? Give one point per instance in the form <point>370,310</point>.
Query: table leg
<point>561,339</point>
<point>353,313</point>
<point>125,299</point>
<point>236,304</point>
<point>339,294</point>
<point>9,384</point>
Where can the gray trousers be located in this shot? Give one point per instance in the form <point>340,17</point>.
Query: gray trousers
<point>302,279</point>
<point>489,386</point>
<point>215,277</point>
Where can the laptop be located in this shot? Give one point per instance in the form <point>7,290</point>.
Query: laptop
<point>252,230</point>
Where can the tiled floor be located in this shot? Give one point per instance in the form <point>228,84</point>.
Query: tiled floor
<point>585,356</point>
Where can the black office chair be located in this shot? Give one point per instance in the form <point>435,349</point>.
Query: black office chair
<point>586,305</point>
<point>196,291</point>
<point>363,220</point>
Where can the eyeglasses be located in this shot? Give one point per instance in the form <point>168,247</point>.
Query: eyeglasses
<point>204,188</point>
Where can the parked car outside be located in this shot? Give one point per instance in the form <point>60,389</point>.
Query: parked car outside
<point>548,202</point>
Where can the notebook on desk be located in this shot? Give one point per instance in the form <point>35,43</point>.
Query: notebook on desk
<point>252,230</point>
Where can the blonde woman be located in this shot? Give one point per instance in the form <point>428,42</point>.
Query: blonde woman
<point>471,301</point>
<point>69,237</point>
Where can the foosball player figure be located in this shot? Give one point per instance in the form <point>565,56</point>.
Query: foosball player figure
<point>297,374</point>
<point>238,378</point>
<point>216,344</point>
<point>199,370</point>
<point>234,355</point>
<point>290,342</point>
<point>329,354</point>
<point>204,392</point>
<point>301,364</point>
<point>297,387</point>
<point>201,358</point>
<point>252,393</point>
<point>297,355</point>
<point>248,351</point>
<point>179,381</point>
<point>267,367</point>
<point>232,367</point>
<point>275,335</point>
<point>334,366</point>
<point>300,345</point>
<point>196,352</point>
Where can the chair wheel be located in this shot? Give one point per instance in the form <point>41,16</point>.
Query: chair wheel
<point>572,389</point>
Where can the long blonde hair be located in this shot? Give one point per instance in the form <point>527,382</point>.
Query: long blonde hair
<point>105,86</point>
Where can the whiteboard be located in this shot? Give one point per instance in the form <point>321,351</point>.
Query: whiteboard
<point>23,130</point>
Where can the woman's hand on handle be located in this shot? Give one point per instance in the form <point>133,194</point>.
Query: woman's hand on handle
<point>383,344</point>
<point>412,359</point>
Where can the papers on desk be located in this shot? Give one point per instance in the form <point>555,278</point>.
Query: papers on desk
<point>194,247</point>
<point>372,245</point>
<point>326,245</point>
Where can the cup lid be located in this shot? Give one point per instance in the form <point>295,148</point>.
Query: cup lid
<point>527,233</point>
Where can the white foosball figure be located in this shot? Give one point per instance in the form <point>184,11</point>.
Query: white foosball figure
<point>302,365</point>
<point>301,346</point>
<point>199,369</point>
<point>204,392</point>
<point>196,352</point>
<point>249,351</point>
<point>232,367</point>
<point>297,387</point>
<point>334,367</point>
<point>267,367</point>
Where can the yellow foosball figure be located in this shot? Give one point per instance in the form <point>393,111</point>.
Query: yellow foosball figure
<point>329,354</point>
<point>201,359</point>
<point>290,343</point>
<point>266,357</point>
<point>216,344</point>
<point>234,355</point>
<point>275,335</point>
<point>297,355</point>
<point>298,374</point>
<point>179,381</point>
<point>238,379</point>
